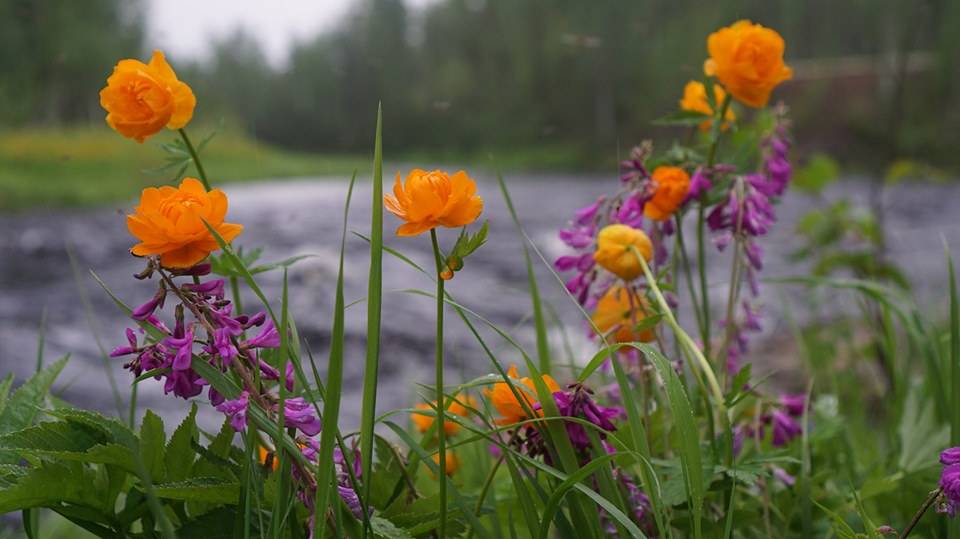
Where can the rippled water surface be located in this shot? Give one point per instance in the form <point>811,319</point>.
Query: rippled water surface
<point>304,216</point>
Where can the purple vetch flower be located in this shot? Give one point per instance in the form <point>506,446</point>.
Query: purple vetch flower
<point>578,402</point>
<point>950,485</point>
<point>699,184</point>
<point>578,237</point>
<point>950,456</point>
<point>351,500</point>
<point>783,476</point>
<point>298,413</point>
<point>184,384</point>
<point>147,309</point>
<point>586,214</point>
<point>223,345</point>
<point>236,410</point>
<point>796,403</point>
<point>268,337</point>
<point>785,428</point>
<point>182,348</point>
<point>209,289</point>
<point>131,347</point>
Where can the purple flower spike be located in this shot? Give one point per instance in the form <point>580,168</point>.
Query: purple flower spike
<point>223,345</point>
<point>131,347</point>
<point>269,337</point>
<point>584,215</point>
<point>182,348</point>
<point>950,483</point>
<point>298,413</point>
<point>785,428</point>
<point>950,456</point>
<point>147,309</point>
<point>236,410</point>
<point>795,403</point>
<point>699,184</point>
<point>209,289</point>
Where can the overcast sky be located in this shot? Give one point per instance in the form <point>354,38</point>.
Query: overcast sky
<point>185,27</point>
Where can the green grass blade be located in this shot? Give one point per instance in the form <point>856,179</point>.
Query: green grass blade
<point>334,387</point>
<point>954,527</point>
<point>543,345</point>
<point>368,408</point>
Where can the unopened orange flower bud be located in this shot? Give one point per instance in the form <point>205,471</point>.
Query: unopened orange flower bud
<point>613,250</point>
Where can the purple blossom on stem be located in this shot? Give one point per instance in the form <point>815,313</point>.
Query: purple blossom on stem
<point>130,348</point>
<point>236,410</point>
<point>268,337</point>
<point>950,485</point>
<point>298,413</point>
<point>577,402</point>
<point>785,428</point>
<point>182,349</point>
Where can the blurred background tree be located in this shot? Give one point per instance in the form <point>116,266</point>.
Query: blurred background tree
<point>876,80</point>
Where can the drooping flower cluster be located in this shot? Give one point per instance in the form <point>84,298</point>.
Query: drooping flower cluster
<point>205,329</point>
<point>781,417</point>
<point>746,215</point>
<point>949,501</point>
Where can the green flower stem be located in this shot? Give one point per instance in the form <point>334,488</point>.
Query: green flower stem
<point>685,261</point>
<point>920,512</point>
<point>441,407</point>
<point>685,339</point>
<point>195,158</point>
<point>715,134</point>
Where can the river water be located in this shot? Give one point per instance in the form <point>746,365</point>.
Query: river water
<point>289,217</point>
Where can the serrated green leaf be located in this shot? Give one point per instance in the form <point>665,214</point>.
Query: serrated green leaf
<point>48,485</point>
<point>5,391</point>
<point>179,456</point>
<point>208,490</point>
<point>152,445</point>
<point>22,407</point>
<point>382,527</point>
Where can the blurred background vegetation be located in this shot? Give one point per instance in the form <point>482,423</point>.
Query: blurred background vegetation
<point>561,84</point>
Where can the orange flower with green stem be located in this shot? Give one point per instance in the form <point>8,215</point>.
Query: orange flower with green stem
<point>425,201</point>
<point>695,100</point>
<point>507,403</point>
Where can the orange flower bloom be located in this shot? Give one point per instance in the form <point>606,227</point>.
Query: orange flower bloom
<point>141,99</point>
<point>268,457</point>
<point>452,463</point>
<point>430,199</point>
<point>615,310</point>
<point>507,404</point>
<point>613,250</point>
<point>170,222</point>
<point>695,100</point>
<point>748,60</point>
<point>423,422</point>
<point>673,185</point>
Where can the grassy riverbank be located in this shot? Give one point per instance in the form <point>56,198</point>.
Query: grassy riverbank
<point>87,166</point>
<point>76,167</point>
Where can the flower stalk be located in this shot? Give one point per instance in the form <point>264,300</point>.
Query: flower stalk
<point>441,406</point>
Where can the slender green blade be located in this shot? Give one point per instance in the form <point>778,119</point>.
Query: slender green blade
<point>368,407</point>
<point>954,527</point>
<point>334,387</point>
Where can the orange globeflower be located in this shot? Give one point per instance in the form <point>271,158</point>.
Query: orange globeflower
<point>695,100</point>
<point>615,309</point>
<point>672,187</point>
<point>170,222</point>
<point>506,402</point>
<point>423,422</point>
<point>613,250</point>
<point>426,200</point>
<point>451,461</point>
<point>268,458</point>
<point>141,99</point>
<point>748,60</point>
